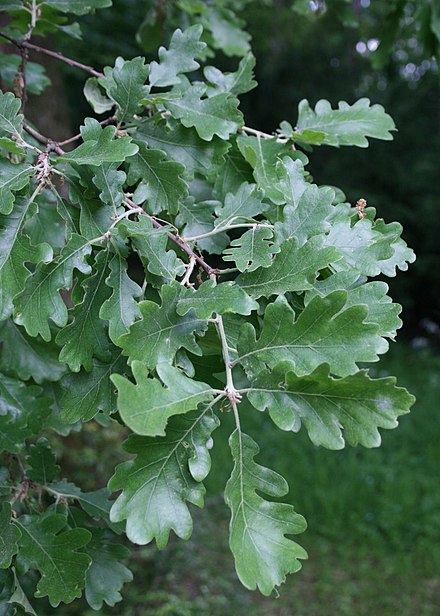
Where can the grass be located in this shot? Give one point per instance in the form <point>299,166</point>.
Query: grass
<point>373,515</point>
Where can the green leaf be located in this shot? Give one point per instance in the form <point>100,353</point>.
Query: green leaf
<point>10,120</point>
<point>332,410</point>
<point>40,300</point>
<point>294,268</point>
<point>151,244</point>
<point>346,125</point>
<point>147,406</point>
<point>197,219</point>
<point>236,83</point>
<point>125,84</point>
<point>232,173</point>
<point>22,413</point>
<point>217,115</point>
<point>86,336</point>
<point>15,251</point>
<point>106,575</point>
<point>258,528</point>
<point>19,597</point>
<point>78,7</point>
<point>121,308</point>
<point>307,205</point>
<point>9,536</point>
<point>401,255</point>
<point>110,181</point>
<point>11,146</point>
<point>44,547</point>
<point>212,298</point>
<point>28,357</point>
<point>362,246</point>
<point>42,462</point>
<point>227,30</point>
<point>253,249</point>
<point>264,155</point>
<point>161,332</point>
<point>325,332</point>
<point>178,58</point>
<point>162,184</point>
<point>244,204</point>
<point>12,178</point>
<point>166,473</point>
<point>86,393</point>
<point>99,146</point>
<point>184,146</point>
<point>96,504</point>
<point>381,310</point>
<point>94,96</point>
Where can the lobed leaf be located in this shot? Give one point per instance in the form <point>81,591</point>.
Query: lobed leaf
<point>332,410</point>
<point>258,528</point>
<point>325,332</point>
<point>165,474</point>
<point>210,298</point>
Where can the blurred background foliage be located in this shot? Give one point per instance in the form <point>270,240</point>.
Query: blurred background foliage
<point>374,531</point>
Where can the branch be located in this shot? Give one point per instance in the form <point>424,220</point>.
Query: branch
<point>53,54</point>
<point>52,145</point>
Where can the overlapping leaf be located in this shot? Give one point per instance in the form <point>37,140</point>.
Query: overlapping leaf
<point>28,357</point>
<point>263,155</point>
<point>121,308</point>
<point>165,474</point>
<point>253,249</point>
<point>179,58</point>
<point>258,528</point>
<point>40,299</point>
<point>86,336</point>
<point>161,185</point>
<point>145,407</point>
<point>242,205</point>
<point>325,332</point>
<point>54,553</point>
<point>183,145</point>
<point>12,178</point>
<point>10,119</point>
<point>78,7</point>
<point>86,393</point>
<point>42,462</point>
<point>125,84</point>
<point>220,298</point>
<point>100,146</point>
<point>236,83</point>
<point>9,536</point>
<point>107,574</point>
<point>161,332</point>
<point>217,115</point>
<point>332,410</point>
<point>295,268</point>
<point>15,251</point>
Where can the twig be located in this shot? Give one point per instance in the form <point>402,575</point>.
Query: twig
<point>53,54</point>
<point>106,122</point>
<point>189,271</point>
<point>52,145</point>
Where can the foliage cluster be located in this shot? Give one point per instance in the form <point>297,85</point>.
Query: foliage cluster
<point>254,294</point>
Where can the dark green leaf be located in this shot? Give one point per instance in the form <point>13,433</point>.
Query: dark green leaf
<point>54,553</point>
<point>212,298</point>
<point>10,120</point>
<point>40,300</point>
<point>9,536</point>
<point>125,84</point>
<point>86,336</point>
<point>12,178</point>
<point>161,332</point>
<point>42,462</point>
<point>253,249</point>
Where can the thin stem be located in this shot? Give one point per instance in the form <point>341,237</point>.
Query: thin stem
<point>189,271</point>
<point>233,395</point>
<point>53,54</point>
<point>221,229</point>
<point>257,133</point>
